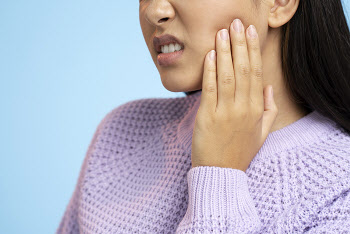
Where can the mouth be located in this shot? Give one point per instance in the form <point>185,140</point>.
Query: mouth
<point>167,59</point>
<point>169,49</point>
<point>167,44</point>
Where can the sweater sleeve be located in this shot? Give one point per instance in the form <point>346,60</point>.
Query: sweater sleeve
<point>219,201</point>
<point>70,220</point>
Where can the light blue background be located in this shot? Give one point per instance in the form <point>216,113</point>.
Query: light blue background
<point>63,66</point>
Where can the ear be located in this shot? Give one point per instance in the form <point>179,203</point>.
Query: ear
<point>281,12</point>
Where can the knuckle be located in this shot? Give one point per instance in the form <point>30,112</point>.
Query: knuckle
<point>243,114</point>
<point>224,117</point>
<point>243,69</point>
<point>226,50</point>
<point>210,88</point>
<point>254,45</point>
<point>211,69</point>
<point>227,81</point>
<point>241,111</point>
<point>240,42</point>
<point>227,77</point>
<point>258,71</point>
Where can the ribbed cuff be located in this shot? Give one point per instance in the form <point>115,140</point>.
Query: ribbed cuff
<point>219,193</point>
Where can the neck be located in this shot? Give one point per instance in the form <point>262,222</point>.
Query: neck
<point>288,111</point>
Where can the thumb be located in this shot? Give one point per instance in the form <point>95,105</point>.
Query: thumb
<point>270,112</point>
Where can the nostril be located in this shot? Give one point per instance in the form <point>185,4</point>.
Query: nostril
<point>161,20</point>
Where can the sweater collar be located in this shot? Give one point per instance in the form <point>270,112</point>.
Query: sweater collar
<point>305,130</point>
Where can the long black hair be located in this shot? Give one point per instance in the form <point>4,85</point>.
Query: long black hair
<point>315,54</point>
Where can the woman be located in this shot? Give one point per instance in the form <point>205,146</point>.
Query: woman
<point>230,157</point>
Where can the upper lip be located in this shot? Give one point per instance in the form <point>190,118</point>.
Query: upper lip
<point>165,40</point>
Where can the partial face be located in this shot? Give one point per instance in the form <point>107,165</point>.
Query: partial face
<point>195,23</point>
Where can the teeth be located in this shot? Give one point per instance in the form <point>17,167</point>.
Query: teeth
<point>170,48</point>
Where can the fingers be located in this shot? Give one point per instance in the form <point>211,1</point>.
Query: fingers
<point>226,79</point>
<point>235,75</point>
<point>209,87</point>
<point>240,62</point>
<point>256,87</point>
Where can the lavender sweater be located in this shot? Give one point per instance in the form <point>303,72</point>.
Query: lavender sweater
<point>137,178</point>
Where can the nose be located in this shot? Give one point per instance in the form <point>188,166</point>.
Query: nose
<point>159,12</point>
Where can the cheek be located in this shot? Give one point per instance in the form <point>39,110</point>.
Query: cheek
<point>202,37</point>
<point>203,28</point>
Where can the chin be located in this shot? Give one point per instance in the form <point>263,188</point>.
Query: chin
<point>184,84</point>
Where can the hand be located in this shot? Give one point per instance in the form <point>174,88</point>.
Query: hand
<point>236,113</point>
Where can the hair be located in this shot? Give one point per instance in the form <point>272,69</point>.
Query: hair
<point>315,54</point>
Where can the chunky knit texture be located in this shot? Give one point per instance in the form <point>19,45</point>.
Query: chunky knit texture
<point>137,178</point>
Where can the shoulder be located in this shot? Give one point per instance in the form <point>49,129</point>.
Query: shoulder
<point>152,110</point>
<point>320,171</point>
<point>329,157</point>
<point>141,117</point>
<point>127,129</point>
<point>325,174</point>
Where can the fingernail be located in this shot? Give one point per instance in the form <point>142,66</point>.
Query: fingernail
<point>237,25</point>
<point>224,34</point>
<point>252,31</point>
<point>212,55</point>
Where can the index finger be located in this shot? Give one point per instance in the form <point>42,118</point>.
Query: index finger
<point>209,86</point>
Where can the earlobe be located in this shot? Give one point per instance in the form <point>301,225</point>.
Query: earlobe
<point>281,12</point>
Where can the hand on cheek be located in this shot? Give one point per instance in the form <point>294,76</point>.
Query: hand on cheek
<point>236,113</point>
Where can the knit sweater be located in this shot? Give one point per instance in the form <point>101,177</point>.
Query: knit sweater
<point>136,177</point>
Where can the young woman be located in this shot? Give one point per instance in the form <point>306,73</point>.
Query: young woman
<point>231,156</point>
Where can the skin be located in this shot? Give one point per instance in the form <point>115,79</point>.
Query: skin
<point>235,113</point>
<point>196,23</point>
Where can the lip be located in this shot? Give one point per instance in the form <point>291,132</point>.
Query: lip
<point>166,59</point>
<point>165,40</point>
